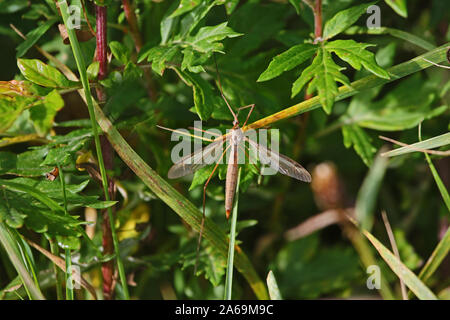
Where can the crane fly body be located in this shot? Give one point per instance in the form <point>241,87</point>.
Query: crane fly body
<point>234,142</point>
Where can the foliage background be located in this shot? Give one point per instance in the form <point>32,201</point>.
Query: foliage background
<point>179,87</point>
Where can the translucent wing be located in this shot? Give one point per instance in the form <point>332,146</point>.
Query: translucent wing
<point>281,163</point>
<point>196,160</point>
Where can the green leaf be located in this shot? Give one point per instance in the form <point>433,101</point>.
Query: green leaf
<point>33,36</point>
<point>356,55</point>
<point>324,74</point>
<point>230,5</point>
<point>42,74</point>
<point>205,99</point>
<point>11,109</point>
<point>402,108</point>
<point>11,216</point>
<point>207,38</point>
<point>355,136</point>
<point>92,70</point>
<point>436,258</point>
<point>296,4</point>
<point>288,60</point>
<point>43,114</point>
<point>368,193</point>
<point>200,176</point>
<point>120,52</point>
<point>435,142</point>
<point>272,285</point>
<point>185,6</point>
<point>406,275</point>
<point>159,56</point>
<point>24,164</point>
<point>399,7</point>
<point>344,19</point>
<point>62,155</point>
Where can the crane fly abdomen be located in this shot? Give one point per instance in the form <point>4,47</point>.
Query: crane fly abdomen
<point>232,171</point>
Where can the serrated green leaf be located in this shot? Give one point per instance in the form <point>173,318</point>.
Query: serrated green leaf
<point>344,19</point>
<point>43,114</point>
<point>185,6</point>
<point>204,98</point>
<point>404,107</point>
<point>207,38</point>
<point>24,164</point>
<point>200,176</point>
<point>120,52</point>
<point>323,73</point>
<point>11,109</point>
<point>356,55</point>
<point>399,7</point>
<point>354,136</point>
<point>62,155</point>
<point>159,56</point>
<point>288,60</point>
<point>42,74</point>
<point>33,36</point>
<point>194,17</point>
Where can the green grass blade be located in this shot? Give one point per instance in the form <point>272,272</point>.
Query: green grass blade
<point>11,248</point>
<point>406,275</point>
<point>367,195</point>
<point>435,142</point>
<point>230,260</point>
<point>274,292</point>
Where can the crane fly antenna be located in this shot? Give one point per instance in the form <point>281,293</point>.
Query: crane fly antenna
<point>221,90</point>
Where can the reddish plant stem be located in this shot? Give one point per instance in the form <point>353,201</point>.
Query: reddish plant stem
<point>132,21</point>
<point>101,13</point>
<point>136,35</point>
<point>107,150</point>
<point>318,19</point>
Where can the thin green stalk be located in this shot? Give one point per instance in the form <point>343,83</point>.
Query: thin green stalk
<point>55,251</point>
<point>11,248</point>
<point>230,261</point>
<point>68,258</point>
<point>84,80</point>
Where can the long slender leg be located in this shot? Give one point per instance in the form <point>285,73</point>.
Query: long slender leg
<point>252,106</point>
<point>184,133</point>
<point>206,131</point>
<point>204,201</point>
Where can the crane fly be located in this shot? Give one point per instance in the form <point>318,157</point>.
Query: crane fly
<point>234,139</point>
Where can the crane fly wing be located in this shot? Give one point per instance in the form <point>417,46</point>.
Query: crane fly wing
<point>281,163</point>
<point>196,160</point>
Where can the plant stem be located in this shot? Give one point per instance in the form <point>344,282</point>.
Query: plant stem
<point>101,40</point>
<point>84,80</point>
<point>68,258</point>
<point>318,19</point>
<point>136,35</point>
<point>396,72</point>
<point>55,251</point>
<point>231,246</point>
<point>107,150</point>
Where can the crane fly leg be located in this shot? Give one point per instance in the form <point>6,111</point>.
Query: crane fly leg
<point>204,201</point>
